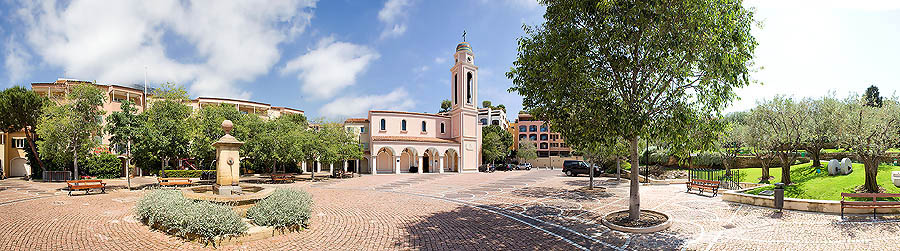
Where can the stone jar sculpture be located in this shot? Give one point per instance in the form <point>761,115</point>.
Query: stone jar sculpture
<point>228,164</point>
<point>833,167</point>
<point>846,166</point>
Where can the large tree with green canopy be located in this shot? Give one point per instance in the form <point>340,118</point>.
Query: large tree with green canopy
<point>67,128</point>
<point>166,130</point>
<point>630,64</point>
<point>869,131</point>
<point>21,109</point>
<point>496,143</point>
<point>124,128</point>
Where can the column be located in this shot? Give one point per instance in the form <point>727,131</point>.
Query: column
<point>396,164</point>
<point>459,168</point>
<point>373,163</point>
<point>304,166</point>
<point>331,167</point>
<point>421,158</point>
<point>345,166</point>
<point>440,164</point>
<point>318,166</point>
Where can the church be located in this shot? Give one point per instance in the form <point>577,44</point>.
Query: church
<point>397,142</point>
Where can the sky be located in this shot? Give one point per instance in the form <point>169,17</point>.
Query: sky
<point>336,59</point>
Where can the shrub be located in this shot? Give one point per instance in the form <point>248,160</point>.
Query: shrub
<point>707,159</point>
<point>169,210</point>
<point>104,166</point>
<point>183,173</point>
<point>284,208</point>
<point>656,158</point>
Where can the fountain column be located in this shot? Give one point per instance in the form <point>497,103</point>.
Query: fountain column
<point>228,166</point>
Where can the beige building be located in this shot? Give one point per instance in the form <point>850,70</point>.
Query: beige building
<point>12,155</point>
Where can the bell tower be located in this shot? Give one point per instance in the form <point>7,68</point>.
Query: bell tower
<point>464,109</point>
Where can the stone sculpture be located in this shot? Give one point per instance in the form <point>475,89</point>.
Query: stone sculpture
<point>846,166</point>
<point>833,167</point>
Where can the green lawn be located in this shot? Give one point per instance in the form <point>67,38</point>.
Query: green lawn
<point>820,186</point>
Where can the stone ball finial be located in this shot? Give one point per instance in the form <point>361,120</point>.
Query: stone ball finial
<point>227,126</point>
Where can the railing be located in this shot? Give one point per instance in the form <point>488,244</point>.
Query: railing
<point>730,179</point>
<point>50,176</point>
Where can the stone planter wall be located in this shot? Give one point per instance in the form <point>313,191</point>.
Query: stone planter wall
<point>823,206</point>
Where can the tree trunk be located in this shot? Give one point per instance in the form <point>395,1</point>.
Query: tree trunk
<point>786,168</point>
<point>814,153</point>
<point>871,172</point>
<point>30,138</point>
<point>634,205</point>
<point>591,179</point>
<point>75,162</point>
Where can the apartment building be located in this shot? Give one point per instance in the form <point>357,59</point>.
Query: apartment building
<point>488,116</point>
<point>552,149</point>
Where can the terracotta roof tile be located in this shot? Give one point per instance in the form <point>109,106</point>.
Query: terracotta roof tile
<point>356,120</point>
<point>415,139</point>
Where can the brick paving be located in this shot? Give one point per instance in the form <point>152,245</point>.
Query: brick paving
<point>519,210</point>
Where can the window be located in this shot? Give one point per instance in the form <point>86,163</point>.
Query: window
<point>532,128</point>
<point>362,129</point>
<point>533,137</point>
<point>484,121</point>
<point>523,128</point>
<point>383,125</point>
<point>18,143</point>
<point>543,128</point>
<point>495,122</point>
<point>403,125</point>
<point>543,145</point>
<point>455,88</point>
<point>349,129</point>
<point>543,136</point>
<point>423,127</point>
<point>442,127</point>
<point>469,88</point>
<point>365,146</point>
<point>523,136</point>
<point>2,139</point>
<point>554,144</point>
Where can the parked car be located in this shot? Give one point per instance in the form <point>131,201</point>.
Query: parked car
<point>524,166</point>
<point>506,167</point>
<point>575,167</point>
<point>486,168</point>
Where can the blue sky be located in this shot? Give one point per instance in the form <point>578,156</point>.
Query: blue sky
<point>340,58</point>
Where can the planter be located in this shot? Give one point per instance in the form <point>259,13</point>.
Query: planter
<point>822,206</point>
<point>641,230</point>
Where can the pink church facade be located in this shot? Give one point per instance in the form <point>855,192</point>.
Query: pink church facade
<point>407,142</point>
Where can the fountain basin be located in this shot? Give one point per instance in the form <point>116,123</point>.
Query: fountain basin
<point>239,203</point>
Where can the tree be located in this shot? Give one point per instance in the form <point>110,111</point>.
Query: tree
<point>496,143</point>
<point>501,107</point>
<point>67,128</point>
<point>873,97</point>
<point>527,150</point>
<point>445,106</point>
<point>277,140</point>
<point>731,142</point>
<point>786,121</point>
<point>123,128</point>
<point>21,109</point>
<point>166,129</point>
<point>820,126</point>
<point>760,139</point>
<point>486,104</point>
<point>337,144</point>
<point>207,129</point>
<point>629,64</point>
<point>869,131</point>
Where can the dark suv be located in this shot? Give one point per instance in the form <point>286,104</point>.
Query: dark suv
<point>576,167</point>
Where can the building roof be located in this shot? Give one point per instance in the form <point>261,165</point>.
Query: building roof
<point>464,46</point>
<point>287,108</point>
<point>356,120</point>
<point>233,100</point>
<point>411,113</point>
<point>413,139</point>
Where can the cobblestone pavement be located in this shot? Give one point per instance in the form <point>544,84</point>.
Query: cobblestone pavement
<point>518,210</point>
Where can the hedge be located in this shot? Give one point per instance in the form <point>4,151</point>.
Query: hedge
<point>170,211</point>
<point>286,208</point>
<point>104,166</point>
<point>183,173</point>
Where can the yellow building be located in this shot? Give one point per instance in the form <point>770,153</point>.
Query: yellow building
<point>12,156</point>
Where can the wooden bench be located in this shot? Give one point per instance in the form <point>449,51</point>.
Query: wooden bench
<point>85,185</point>
<point>701,185</point>
<point>174,181</point>
<point>873,204</point>
<point>282,177</point>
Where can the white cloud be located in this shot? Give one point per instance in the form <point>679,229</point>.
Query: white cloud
<point>393,16</point>
<point>440,60</point>
<point>398,100</point>
<point>228,42</point>
<point>526,4</point>
<point>330,67</point>
<point>16,62</point>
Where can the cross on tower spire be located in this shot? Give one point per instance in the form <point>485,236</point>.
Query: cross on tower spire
<point>464,35</point>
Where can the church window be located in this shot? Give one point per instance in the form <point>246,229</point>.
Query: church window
<point>455,87</point>
<point>403,125</point>
<point>423,126</point>
<point>442,128</point>
<point>383,125</point>
<point>469,88</point>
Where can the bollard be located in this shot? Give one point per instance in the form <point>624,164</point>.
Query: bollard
<point>779,196</point>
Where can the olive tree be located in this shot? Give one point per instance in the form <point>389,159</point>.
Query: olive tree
<point>869,131</point>
<point>786,120</point>
<point>821,125</point>
<point>760,139</point>
<point>630,64</point>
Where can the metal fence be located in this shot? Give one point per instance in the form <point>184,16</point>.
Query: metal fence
<point>57,176</point>
<point>730,179</point>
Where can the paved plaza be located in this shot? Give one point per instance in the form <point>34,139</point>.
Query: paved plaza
<point>517,210</point>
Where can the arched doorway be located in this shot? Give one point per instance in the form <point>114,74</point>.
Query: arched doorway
<point>430,161</point>
<point>19,167</point>
<point>408,160</point>
<point>385,161</point>
<point>451,161</point>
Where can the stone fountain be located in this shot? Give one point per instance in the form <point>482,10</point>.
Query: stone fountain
<point>227,188</point>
